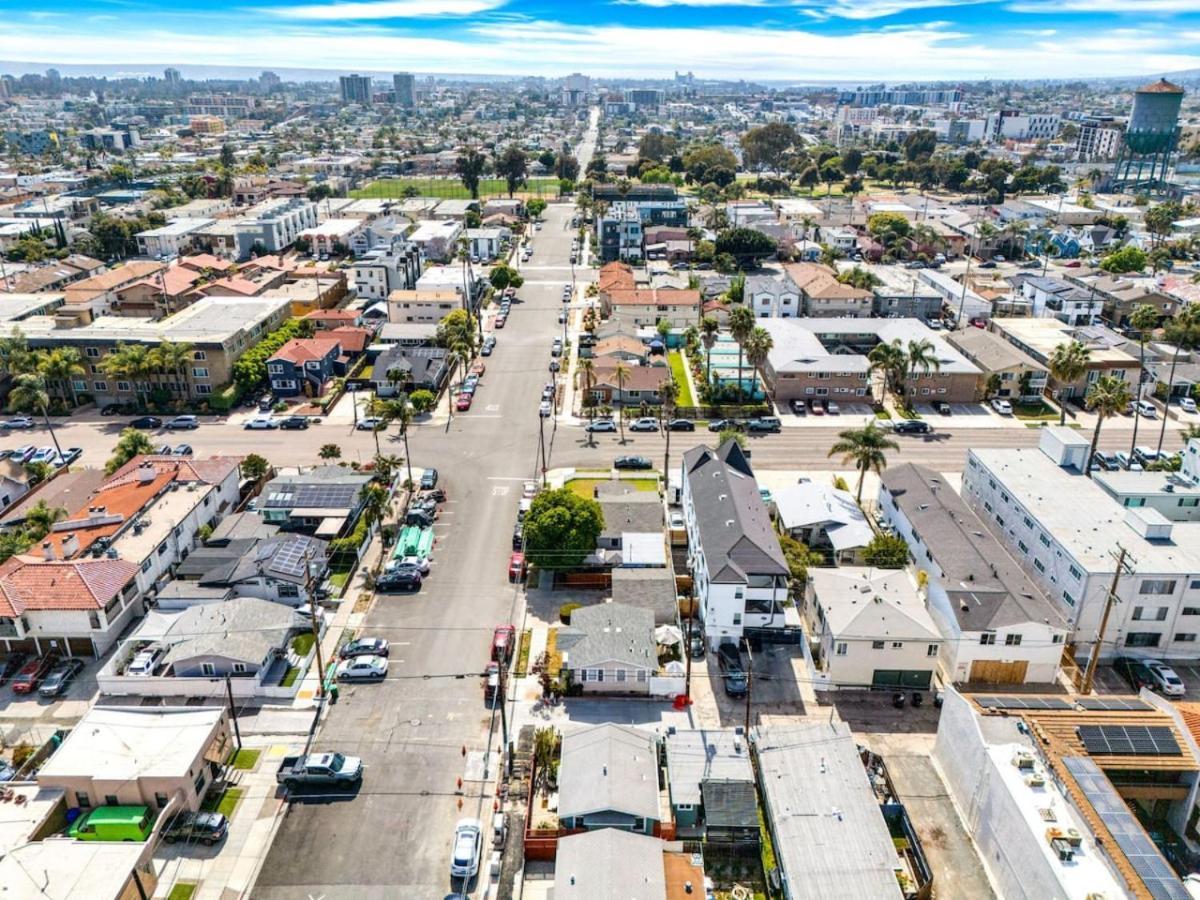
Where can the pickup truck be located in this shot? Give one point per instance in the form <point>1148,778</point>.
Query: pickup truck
<point>319,768</point>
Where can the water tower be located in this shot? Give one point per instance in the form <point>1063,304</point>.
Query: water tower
<point>1150,139</point>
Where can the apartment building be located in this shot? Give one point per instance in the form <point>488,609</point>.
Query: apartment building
<point>827,358</point>
<point>738,568</point>
<point>175,238</point>
<point>274,225</point>
<point>437,238</point>
<point>1012,124</point>
<point>378,272</point>
<point>422,306</point>
<point>332,235</point>
<point>900,294</point>
<point>647,307</point>
<point>1008,371</point>
<point>1039,337</point>
<point>998,626</point>
<point>1099,138</point>
<point>1059,299</point>
<point>824,296</point>
<point>1066,530</point>
<point>772,296</point>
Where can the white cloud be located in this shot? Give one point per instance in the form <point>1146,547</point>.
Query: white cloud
<point>1129,7</point>
<point>843,9</point>
<point>384,9</point>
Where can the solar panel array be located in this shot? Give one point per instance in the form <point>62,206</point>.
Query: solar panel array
<point>289,558</point>
<point>326,496</point>
<point>1158,876</point>
<point>1113,704</point>
<point>1129,740</point>
<point>1018,702</point>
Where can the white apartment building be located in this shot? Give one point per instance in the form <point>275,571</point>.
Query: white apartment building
<point>274,225</point>
<point>1010,124</point>
<point>422,306</point>
<point>327,235</point>
<point>378,272</point>
<point>437,238</point>
<point>772,296</point>
<point>173,239</point>
<point>1065,531</point>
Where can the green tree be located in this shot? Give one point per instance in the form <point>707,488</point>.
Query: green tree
<point>710,328</point>
<point>741,326</point>
<point>886,551</point>
<point>758,347</point>
<point>561,529</point>
<point>228,159</point>
<point>1160,220</point>
<point>668,392</point>
<point>731,434</point>
<point>131,443</point>
<point>29,395</point>
<point>1183,334</point>
<point>504,276</point>
<point>1067,364</point>
<point>470,167</point>
<point>566,167</point>
<point>799,557</point>
<point>745,245</point>
<point>61,367</point>
<point>865,447</point>
<point>330,452</point>
<point>535,207</point>
<point>513,166</point>
<point>1127,259</point>
<point>1106,397</point>
<point>255,467</point>
<point>422,401</point>
<point>768,146</point>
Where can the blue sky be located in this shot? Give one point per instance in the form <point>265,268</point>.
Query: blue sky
<point>846,40</point>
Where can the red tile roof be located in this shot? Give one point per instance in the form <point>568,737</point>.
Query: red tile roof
<point>333,315</point>
<point>302,350</point>
<point>212,470</point>
<point>29,583</point>
<point>352,339</point>
<point>200,261</point>
<point>653,297</point>
<point>616,276</point>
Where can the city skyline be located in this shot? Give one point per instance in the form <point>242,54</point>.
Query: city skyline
<point>889,40</point>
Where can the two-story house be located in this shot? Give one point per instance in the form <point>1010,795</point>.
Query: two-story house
<point>738,568</point>
<point>772,296</point>
<point>304,366</point>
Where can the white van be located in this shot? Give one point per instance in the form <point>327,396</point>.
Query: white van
<point>145,662</point>
<point>1147,410</point>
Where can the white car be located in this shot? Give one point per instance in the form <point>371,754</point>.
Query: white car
<point>420,563</point>
<point>261,423</point>
<point>528,489</point>
<point>1002,406</point>
<point>1187,404</point>
<point>362,668</point>
<point>1147,410</point>
<point>544,409</point>
<point>44,455</point>
<point>1164,677</point>
<point>468,843</point>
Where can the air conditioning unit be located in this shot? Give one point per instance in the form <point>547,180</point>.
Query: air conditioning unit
<point>1065,851</point>
<point>1074,838</point>
<point>1036,780</point>
<point>1023,760</point>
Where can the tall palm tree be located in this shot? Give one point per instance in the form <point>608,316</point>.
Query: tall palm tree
<point>585,368</point>
<point>1068,362</point>
<point>15,355</point>
<point>1183,333</point>
<point>709,329</point>
<point>668,392</point>
<point>758,347</point>
<point>621,372</point>
<point>29,394</point>
<point>890,359</point>
<point>398,409</point>
<point>865,448</point>
<point>131,362</point>
<point>1106,397</point>
<point>922,355</point>
<point>1144,317</point>
<point>62,365</point>
<point>741,324</point>
<point>174,358</point>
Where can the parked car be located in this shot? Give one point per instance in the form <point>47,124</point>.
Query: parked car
<point>729,659</point>
<point>294,423</point>
<point>600,425</point>
<point>681,425</point>
<point>544,409</point>
<point>60,677</point>
<point>206,828</point>
<point>463,403</point>
<point>27,680</point>
<point>488,346</point>
<point>632,462</point>
<point>816,407</point>
<point>1163,678</point>
<point>113,823</point>
<point>369,423</point>
<point>518,536</point>
<point>419,563</point>
<point>912,426</point>
<point>419,517</point>
<point>764,425</point>
<point>831,407</point>
<point>23,423</point>
<point>71,454</point>
<point>941,407</point>
<point>798,406</point>
<point>1106,461</point>
<point>399,580</point>
<point>183,450</point>
<point>145,662</point>
<point>429,479</point>
<point>468,844</point>
<point>1146,455</point>
<point>646,423</point>
<point>555,365</point>
<point>164,450</point>
<point>491,684</point>
<point>362,668</point>
<point>516,567</point>
<point>504,640</point>
<point>1147,410</point>
<point>364,646</point>
<point>1127,462</point>
<point>145,422</point>
<point>696,645</point>
<point>183,423</point>
<point>319,768</point>
<point>43,455</point>
<point>1134,671</point>
<point>1187,404</point>
<point>1002,406</point>
<point>22,454</point>
<point>500,321</point>
<point>725,424</point>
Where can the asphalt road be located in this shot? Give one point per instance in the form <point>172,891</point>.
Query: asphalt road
<point>392,839</point>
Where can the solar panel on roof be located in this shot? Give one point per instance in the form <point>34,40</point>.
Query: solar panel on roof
<point>1129,740</point>
<point>989,701</point>
<point>1131,704</point>
<point>1159,878</point>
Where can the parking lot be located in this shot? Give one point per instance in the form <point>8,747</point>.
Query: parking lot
<point>1109,681</point>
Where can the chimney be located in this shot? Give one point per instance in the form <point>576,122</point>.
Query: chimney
<point>70,545</point>
<point>48,551</point>
<point>145,473</point>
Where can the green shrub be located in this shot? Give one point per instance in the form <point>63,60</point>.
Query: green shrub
<point>564,612</point>
<point>227,398</point>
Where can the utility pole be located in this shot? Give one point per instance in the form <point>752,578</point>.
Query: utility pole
<point>1124,567</point>
<point>542,444</point>
<point>687,645</point>
<point>237,732</point>
<point>316,631</point>
<point>749,685</point>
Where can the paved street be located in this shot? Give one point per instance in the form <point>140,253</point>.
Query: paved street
<point>412,728</point>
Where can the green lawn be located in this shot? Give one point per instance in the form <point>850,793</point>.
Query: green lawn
<point>182,890</point>
<point>245,759</point>
<point>290,676</point>
<point>679,373</point>
<point>522,668</point>
<point>451,188</point>
<point>1040,412</point>
<point>225,802</point>
<point>585,487</point>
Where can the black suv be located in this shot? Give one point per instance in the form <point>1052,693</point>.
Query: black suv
<point>297,423</point>
<point>399,580</point>
<point>202,827</point>
<point>729,658</point>
<point>911,426</point>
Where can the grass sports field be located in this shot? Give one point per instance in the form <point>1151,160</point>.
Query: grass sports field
<point>451,188</point>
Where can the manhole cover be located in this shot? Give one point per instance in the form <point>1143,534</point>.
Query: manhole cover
<point>414,722</point>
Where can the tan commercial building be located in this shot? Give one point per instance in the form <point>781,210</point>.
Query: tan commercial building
<point>1039,337</point>
<point>422,306</point>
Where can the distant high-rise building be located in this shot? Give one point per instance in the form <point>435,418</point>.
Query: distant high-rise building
<point>172,76</point>
<point>403,83</point>
<point>1150,139</point>
<point>356,88</point>
<point>269,80</point>
<point>645,97</point>
<point>883,97</point>
<point>1099,138</point>
<point>53,76</point>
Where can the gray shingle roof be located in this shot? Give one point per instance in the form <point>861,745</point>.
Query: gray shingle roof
<point>639,511</point>
<point>696,756</point>
<point>609,864</point>
<point>652,589</point>
<point>244,629</point>
<point>729,803</point>
<point>609,768</point>
<point>732,520</point>
<point>611,632</point>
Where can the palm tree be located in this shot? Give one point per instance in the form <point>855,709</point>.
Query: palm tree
<point>1144,317</point>
<point>175,359</point>
<point>41,518</point>
<point>399,410</point>
<point>585,368</point>
<point>668,391</point>
<point>741,324</point>
<point>29,394</point>
<point>15,355</point>
<point>128,362</point>
<point>330,452</point>
<point>1106,397</point>
<point>865,448</point>
<point>922,355</point>
<point>758,348</point>
<point>62,365</point>
<point>1068,362</point>
<point>374,500</point>
<point>1183,333</point>
<point>620,373</point>
<point>892,361</point>
<point>709,329</point>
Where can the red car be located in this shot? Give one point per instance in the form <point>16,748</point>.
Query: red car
<point>502,643</point>
<point>27,680</point>
<point>463,403</point>
<point>500,320</point>
<point>516,567</point>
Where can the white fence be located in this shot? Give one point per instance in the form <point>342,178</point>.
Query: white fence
<point>667,685</point>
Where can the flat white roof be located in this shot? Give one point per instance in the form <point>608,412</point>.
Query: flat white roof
<point>334,228</point>
<point>62,869</point>
<point>20,820</point>
<point>846,591</point>
<point>176,227</point>
<point>116,743</point>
